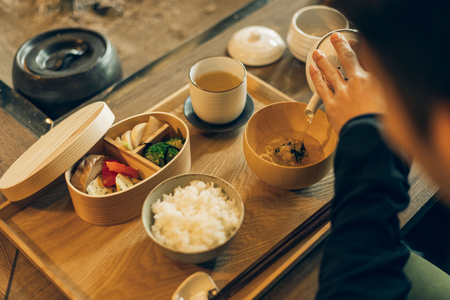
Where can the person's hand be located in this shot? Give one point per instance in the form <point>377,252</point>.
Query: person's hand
<point>360,94</point>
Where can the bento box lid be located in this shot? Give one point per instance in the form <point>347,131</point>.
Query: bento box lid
<point>56,151</point>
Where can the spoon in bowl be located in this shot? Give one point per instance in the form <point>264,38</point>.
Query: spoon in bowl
<point>198,286</point>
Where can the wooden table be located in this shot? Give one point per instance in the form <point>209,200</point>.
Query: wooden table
<point>52,219</point>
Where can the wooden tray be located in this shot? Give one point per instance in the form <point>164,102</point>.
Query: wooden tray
<point>121,262</point>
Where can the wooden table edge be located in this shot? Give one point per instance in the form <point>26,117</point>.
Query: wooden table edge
<point>36,261</point>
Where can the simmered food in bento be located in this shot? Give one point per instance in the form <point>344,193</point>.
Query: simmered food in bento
<point>163,152</point>
<point>134,137</point>
<point>100,175</point>
<point>96,187</point>
<point>88,169</point>
<point>124,182</point>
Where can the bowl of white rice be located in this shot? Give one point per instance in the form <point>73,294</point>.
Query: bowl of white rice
<point>193,217</point>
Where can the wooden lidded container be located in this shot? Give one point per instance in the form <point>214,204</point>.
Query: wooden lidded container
<point>89,131</point>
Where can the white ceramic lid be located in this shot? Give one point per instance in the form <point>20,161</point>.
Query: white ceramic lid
<point>56,151</point>
<point>256,46</point>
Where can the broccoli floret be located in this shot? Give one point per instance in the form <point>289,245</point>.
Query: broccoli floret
<point>156,153</point>
<point>161,153</point>
<point>176,142</point>
<point>171,153</point>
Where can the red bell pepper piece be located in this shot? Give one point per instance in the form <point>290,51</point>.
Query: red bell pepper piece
<point>122,169</point>
<point>109,177</point>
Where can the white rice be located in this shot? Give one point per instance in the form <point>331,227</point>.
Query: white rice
<point>195,218</point>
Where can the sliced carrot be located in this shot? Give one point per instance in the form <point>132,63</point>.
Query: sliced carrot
<point>122,169</point>
<point>116,166</point>
<point>109,177</point>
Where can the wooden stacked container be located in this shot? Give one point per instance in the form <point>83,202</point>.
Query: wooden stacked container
<point>89,131</point>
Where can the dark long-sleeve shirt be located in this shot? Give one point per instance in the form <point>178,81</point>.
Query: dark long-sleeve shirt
<point>363,256</point>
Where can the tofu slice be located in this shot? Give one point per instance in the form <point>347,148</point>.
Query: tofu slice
<point>124,182</point>
<point>97,188</point>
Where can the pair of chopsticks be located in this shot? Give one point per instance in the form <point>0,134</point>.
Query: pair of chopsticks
<point>274,253</point>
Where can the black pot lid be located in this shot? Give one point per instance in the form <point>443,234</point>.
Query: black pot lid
<point>59,69</point>
<point>64,52</point>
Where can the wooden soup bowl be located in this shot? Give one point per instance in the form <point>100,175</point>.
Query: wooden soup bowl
<point>123,206</point>
<point>285,119</point>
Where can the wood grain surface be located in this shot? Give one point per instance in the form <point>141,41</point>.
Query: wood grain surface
<point>96,262</point>
<point>28,284</point>
<point>123,256</point>
<point>270,277</point>
<point>15,139</point>
<point>7,254</point>
<point>145,31</point>
<point>301,282</point>
<point>93,262</point>
<point>148,89</point>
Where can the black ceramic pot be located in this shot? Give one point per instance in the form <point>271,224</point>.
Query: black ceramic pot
<point>60,69</point>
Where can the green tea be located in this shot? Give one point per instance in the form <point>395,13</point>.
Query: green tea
<point>217,81</point>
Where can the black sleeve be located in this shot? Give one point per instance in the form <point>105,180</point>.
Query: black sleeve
<point>363,256</point>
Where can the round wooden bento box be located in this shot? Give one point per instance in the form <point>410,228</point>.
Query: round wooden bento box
<point>89,131</point>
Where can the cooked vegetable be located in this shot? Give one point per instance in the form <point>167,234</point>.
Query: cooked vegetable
<point>136,134</point>
<point>131,139</point>
<point>125,182</point>
<point>156,153</point>
<point>171,153</point>
<point>88,169</point>
<point>109,177</point>
<point>176,142</point>
<point>162,153</point>
<point>97,188</point>
<point>122,169</point>
<point>153,125</point>
<point>126,140</point>
<point>125,144</point>
<point>106,172</point>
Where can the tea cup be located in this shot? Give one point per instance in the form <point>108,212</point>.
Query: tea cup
<point>222,103</point>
